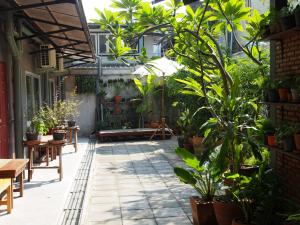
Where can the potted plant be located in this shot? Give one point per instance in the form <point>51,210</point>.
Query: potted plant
<point>31,134</point>
<point>284,91</point>
<point>59,135</point>
<point>270,87</point>
<point>117,92</point>
<point>287,19</point>
<point>184,122</point>
<point>39,126</point>
<point>244,193</point>
<point>285,136</point>
<point>267,129</point>
<point>197,141</point>
<point>200,178</point>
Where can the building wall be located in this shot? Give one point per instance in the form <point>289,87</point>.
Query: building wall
<point>86,107</point>
<point>287,63</point>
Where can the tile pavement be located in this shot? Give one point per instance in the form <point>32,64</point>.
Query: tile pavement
<point>133,183</point>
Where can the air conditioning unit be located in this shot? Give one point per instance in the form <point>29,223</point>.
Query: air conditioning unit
<point>47,58</point>
<point>59,62</point>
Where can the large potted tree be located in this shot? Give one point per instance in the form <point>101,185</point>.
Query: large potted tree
<point>199,177</point>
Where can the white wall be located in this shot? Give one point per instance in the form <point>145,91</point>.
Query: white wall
<point>87,108</point>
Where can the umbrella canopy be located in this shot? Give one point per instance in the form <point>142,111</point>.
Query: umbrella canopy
<point>160,67</point>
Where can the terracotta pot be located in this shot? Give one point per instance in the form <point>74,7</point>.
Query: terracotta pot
<point>188,145</point>
<point>297,141</point>
<point>203,212</point>
<point>118,99</point>
<point>197,144</point>
<point>283,94</point>
<point>117,110</point>
<point>226,211</point>
<point>271,140</point>
<point>154,124</point>
<point>237,221</point>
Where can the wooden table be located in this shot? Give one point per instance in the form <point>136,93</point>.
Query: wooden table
<point>14,168</point>
<point>49,144</point>
<point>71,131</point>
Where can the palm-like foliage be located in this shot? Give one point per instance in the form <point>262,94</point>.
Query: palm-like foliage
<point>145,100</point>
<point>126,8</point>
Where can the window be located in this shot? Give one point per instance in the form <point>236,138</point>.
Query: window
<point>51,92</point>
<point>99,42</point>
<point>33,94</point>
<point>156,50</point>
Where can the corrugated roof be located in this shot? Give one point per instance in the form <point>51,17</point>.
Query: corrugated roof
<point>62,22</point>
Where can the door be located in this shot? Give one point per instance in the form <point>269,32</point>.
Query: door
<point>3,113</point>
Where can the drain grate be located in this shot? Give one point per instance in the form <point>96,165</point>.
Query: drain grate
<point>72,210</point>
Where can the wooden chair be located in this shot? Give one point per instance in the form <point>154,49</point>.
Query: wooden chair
<point>5,186</point>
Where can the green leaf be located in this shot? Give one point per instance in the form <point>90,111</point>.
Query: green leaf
<point>185,176</point>
<point>190,159</point>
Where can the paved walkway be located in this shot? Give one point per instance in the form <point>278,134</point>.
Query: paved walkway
<point>133,183</point>
<point>45,196</point>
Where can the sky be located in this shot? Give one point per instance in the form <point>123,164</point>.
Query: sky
<point>90,5</point>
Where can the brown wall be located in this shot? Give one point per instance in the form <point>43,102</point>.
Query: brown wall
<point>287,62</point>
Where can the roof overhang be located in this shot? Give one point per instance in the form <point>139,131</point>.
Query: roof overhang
<point>61,22</point>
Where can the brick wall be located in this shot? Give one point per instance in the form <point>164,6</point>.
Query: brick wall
<point>287,66</point>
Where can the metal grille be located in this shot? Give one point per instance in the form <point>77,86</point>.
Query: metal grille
<point>73,206</point>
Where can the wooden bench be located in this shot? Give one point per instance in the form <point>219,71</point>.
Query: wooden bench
<point>5,186</point>
<point>131,133</point>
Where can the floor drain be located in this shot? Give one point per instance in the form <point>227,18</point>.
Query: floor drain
<point>73,206</point>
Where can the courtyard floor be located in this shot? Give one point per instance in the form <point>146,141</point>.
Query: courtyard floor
<point>133,183</point>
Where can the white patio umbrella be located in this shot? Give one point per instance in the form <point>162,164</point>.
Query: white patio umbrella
<point>160,67</point>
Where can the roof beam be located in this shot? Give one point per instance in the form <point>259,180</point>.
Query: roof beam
<point>72,54</point>
<point>49,22</point>
<point>44,34</point>
<point>66,38</point>
<point>35,5</point>
<point>58,47</point>
<point>80,64</point>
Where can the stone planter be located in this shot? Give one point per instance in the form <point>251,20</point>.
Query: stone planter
<point>58,135</point>
<point>31,136</point>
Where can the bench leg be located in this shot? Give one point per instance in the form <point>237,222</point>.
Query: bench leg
<point>9,199</point>
<point>60,169</point>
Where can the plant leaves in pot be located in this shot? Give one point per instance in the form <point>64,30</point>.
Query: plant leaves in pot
<point>200,178</point>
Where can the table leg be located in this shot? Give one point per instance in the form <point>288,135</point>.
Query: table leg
<point>71,136</point>
<point>60,163</point>
<point>47,156</point>
<point>11,192</point>
<point>76,140</point>
<point>30,163</point>
<point>21,188</point>
<point>9,199</point>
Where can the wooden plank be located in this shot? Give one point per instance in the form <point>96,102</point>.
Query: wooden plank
<point>12,168</point>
